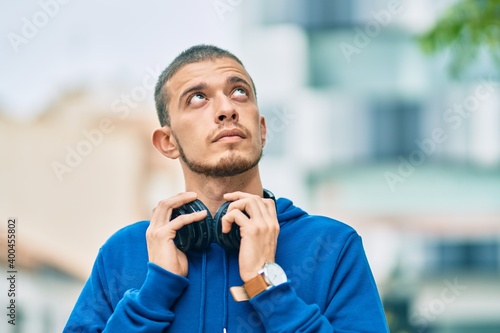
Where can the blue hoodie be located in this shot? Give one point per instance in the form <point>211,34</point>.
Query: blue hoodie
<point>330,286</point>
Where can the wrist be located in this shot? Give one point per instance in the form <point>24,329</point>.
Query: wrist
<point>250,273</point>
<point>270,275</point>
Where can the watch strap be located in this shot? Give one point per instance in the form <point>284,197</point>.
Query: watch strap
<point>255,286</point>
<point>239,293</point>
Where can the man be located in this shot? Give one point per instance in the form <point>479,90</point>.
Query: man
<point>290,271</point>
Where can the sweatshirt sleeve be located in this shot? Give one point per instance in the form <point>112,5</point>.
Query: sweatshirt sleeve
<point>353,301</point>
<point>140,310</point>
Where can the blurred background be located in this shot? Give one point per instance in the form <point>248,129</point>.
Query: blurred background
<point>381,114</point>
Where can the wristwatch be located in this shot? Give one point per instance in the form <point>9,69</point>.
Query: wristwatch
<point>269,276</point>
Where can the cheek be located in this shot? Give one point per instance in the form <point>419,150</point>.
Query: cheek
<point>194,137</point>
<point>188,128</point>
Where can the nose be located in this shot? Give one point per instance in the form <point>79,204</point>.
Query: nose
<point>225,110</point>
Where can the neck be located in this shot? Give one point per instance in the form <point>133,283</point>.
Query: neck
<point>211,190</point>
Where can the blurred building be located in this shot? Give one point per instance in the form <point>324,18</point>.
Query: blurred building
<point>71,178</point>
<point>383,139</point>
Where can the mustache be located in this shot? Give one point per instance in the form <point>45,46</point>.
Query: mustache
<point>231,125</point>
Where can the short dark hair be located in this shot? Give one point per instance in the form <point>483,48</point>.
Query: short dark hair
<point>194,54</point>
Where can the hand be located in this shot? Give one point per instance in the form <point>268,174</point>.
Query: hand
<point>259,230</point>
<point>161,233</point>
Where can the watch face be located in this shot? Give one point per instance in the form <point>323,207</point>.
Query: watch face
<point>274,274</point>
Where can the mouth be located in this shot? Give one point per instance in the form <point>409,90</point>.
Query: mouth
<point>230,135</point>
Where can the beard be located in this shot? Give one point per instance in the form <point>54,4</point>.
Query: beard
<point>228,166</point>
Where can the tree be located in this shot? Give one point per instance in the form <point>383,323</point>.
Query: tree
<point>467,28</point>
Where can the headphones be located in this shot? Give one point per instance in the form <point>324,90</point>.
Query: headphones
<point>199,235</point>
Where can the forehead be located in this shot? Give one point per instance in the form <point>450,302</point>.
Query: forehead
<point>207,71</point>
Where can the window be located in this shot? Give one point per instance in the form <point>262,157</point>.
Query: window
<point>472,256</point>
<point>310,14</point>
<point>395,127</point>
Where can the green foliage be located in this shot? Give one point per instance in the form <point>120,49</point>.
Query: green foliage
<point>467,28</point>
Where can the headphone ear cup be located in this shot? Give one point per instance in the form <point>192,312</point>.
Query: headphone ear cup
<point>197,235</point>
<point>269,195</point>
<point>231,240</point>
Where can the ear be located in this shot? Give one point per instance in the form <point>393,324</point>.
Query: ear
<point>165,142</point>
<point>263,130</point>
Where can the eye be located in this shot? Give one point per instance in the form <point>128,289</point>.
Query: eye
<point>239,92</point>
<point>196,98</point>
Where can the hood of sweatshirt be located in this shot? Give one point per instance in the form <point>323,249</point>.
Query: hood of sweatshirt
<point>287,212</point>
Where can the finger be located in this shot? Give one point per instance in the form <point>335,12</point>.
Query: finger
<point>261,212</point>
<point>186,219</point>
<point>254,206</point>
<point>233,196</point>
<point>168,231</point>
<point>271,207</point>
<point>163,211</point>
<point>238,195</point>
<point>235,216</point>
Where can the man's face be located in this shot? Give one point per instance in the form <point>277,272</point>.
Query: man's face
<point>214,118</point>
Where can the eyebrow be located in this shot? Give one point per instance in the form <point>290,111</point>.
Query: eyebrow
<point>237,79</point>
<point>199,86</point>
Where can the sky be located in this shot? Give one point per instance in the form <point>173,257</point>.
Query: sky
<point>47,46</point>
